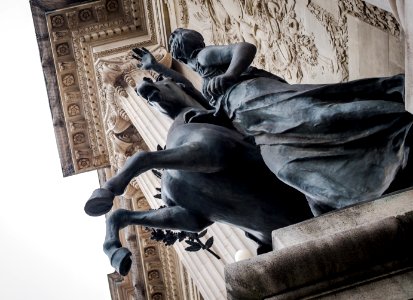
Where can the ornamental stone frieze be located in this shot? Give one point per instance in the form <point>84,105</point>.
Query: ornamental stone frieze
<point>80,35</point>
<point>302,41</point>
<point>160,272</point>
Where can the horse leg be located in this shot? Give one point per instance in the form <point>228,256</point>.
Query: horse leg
<point>192,156</point>
<point>174,217</point>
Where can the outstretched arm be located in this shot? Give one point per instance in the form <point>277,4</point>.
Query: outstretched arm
<point>148,62</point>
<point>238,57</point>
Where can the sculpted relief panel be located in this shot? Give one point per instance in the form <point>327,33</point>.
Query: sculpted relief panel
<point>301,41</point>
<point>284,47</point>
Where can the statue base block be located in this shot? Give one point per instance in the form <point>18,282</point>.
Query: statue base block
<point>364,251</point>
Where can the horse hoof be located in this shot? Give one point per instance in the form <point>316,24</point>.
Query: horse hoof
<point>99,203</point>
<point>121,261</point>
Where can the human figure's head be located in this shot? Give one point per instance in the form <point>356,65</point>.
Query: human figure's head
<point>184,44</point>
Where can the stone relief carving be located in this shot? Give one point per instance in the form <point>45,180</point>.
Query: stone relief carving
<point>337,28</point>
<point>62,49</point>
<point>78,125</point>
<point>79,138</point>
<point>283,45</point>
<point>82,153</point>
<point>101,13</point>
<point>183,12</point>
<point>68,80</point>
<point>58,21</point>
<point>123,138</point>
<point>85,15</point>
<point>72,19</point>
<point>337,33</point>
<point>59,35</point>
<point>152,275</point>
<point>73,110</point>
<point>371,15</point>
<point>71,97</point>
<point>83,163</point>
<point>72,30</point>
<point>66,65</point>
<point>112,6</point>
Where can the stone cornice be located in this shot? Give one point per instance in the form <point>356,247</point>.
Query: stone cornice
<point>78,36</point>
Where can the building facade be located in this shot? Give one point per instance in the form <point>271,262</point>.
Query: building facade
<point>99,119</point>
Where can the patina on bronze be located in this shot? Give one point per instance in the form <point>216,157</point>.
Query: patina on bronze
<point>332,145</point>
<point>211,175</point>
<point>338,144</point>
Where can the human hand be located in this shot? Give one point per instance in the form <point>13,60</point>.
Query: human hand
<point>145,58</point>
<point>219,84</point>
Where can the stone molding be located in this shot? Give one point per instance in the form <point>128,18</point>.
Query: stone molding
<point>76,32</point>
<point>120,287</point>
<point>322,262</point>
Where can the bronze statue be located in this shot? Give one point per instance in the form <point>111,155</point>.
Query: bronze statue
<point>338,144</point>
<point>211,175</point>
<point>333,145</point>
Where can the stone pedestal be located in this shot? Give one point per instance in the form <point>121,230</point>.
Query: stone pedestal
<point>362,252</point>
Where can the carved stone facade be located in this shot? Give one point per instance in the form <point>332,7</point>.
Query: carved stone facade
<point>78,37</point>
<point>99,119</point>
<point>302,41</point>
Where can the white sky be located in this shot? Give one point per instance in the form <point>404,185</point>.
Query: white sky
<point>50,249</point>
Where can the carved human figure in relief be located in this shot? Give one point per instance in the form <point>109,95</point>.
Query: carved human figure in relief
<point>339,144</point>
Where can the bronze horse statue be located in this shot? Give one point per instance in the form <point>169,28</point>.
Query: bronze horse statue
<point>211,174</point>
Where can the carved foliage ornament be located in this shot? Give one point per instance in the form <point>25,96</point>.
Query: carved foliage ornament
<point>62,49</point>
<point>79,138</point>
<point>68,80</point>
<point>371,15</point>
<point>112,6</point>
<point>157,296</point>
<point>150,251</point>
<point>283,45</point>
<point>83,163</point>
<point>153,275</point>
<point>183,12</point>
<point>85,15</point>
<point>73,110</point>
<point>58,21</point>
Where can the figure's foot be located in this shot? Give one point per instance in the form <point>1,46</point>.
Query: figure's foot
<point>100,202</point>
